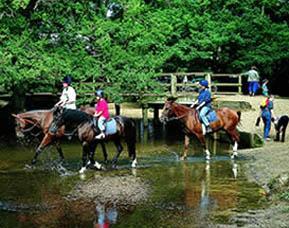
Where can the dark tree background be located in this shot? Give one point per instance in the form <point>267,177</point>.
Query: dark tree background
<point>41,41</point>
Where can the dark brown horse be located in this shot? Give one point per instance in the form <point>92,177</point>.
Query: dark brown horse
<point>227,120</point>
<point>82,122</point>
<point>37,122</point>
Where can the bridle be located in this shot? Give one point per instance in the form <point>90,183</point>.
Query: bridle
<point>34,124</point>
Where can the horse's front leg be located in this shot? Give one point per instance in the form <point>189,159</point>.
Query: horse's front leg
<point>202,139</point>
<point>48,139</point>
<point>59,150</point>
<point>104,152</point>
<point>186,148</point>
<point>92,148</point>
<point>119,149</point>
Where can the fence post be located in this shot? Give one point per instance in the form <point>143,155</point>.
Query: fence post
<point>173,85</point>
<point>209,79</point>
<point>240,84</point>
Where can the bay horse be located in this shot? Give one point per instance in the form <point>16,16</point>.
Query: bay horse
<point>227,120</point>
<point>36,123</point>
<point>83,123</point>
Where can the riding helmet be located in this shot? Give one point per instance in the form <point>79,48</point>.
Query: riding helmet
<point>204,83</point>
<point>67,79</point>
<point>99,93</point>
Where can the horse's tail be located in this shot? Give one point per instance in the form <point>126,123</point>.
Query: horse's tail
<point>129,134</point>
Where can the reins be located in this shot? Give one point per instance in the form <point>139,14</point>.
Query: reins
<point>176,118</point>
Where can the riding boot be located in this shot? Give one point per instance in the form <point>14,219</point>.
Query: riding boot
<point>100,136</point>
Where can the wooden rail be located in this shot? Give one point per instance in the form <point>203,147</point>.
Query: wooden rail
<point>178,84</point>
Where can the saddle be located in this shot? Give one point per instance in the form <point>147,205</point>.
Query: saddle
<point>211,115</point>
<point>110,126</point>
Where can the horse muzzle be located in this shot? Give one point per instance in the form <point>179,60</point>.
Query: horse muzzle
<point>164,119</point>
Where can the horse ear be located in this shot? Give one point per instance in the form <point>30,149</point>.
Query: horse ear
<point>172,99</point>
<point>16,116</point>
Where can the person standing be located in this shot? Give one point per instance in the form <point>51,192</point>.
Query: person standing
<point>265,90</point>
<point>266,113</point>
<point>101,112</point>
<point>68,96</point>
<point>253,80</point>
<point>203,105</point>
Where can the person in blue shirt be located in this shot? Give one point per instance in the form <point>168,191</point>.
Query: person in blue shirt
<point>203,105</point>
<point>266,113</point>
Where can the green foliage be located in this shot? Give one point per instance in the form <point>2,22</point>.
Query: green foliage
<point>74,37</point>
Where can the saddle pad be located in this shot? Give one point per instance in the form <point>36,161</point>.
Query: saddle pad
<point>110,127</point>
<point>212,116</point>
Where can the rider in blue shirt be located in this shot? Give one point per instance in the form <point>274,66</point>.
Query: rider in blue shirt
<point>204,105</point>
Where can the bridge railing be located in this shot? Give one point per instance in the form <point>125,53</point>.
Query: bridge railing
<point>182,84</point>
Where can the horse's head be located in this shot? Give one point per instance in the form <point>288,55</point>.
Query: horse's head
<point>23,125</point>
<point>167,112</point>
<point>114,11</point>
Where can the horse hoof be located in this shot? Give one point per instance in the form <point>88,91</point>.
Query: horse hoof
<point>233,156</point>
<point>134,164</point>
<point>183,158</point>
<point>208,157</point>
<point>82,170</point>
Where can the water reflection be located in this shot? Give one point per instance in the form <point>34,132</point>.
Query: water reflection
<point>105,216</point>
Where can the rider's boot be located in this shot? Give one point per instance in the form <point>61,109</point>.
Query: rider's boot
<point>100,136</point>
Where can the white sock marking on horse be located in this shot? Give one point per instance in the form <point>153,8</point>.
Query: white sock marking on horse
<point>235,147</point>
<point>208,154</point>
<point>82,170</point>
<point>97,165</point>
<point>134,163</point>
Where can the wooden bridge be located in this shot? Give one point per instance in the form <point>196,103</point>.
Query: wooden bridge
<point>181,85</point>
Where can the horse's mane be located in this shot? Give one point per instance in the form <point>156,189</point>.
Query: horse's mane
<point>182,108</point>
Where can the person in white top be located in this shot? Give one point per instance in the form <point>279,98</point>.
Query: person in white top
<point>68,96</point>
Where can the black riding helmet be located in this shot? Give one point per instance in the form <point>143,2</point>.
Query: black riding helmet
<point>99,93</point>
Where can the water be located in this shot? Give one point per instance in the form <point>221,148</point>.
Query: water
<point>193,193</point>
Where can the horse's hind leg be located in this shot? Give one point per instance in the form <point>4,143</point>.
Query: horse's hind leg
<point>132,153</point>
<point>119,150</point>
<point>48,138</point>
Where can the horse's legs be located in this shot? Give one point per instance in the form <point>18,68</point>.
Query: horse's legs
<point>235,138</point>
<point>119,150</point>
<point>59,150</point>
<point>48,138</point>
<point>104,152</point>
<point>202,140</point>
<point>131,152</point>
<point>92,147</point>
<point>86,153</point>
<point>186,148</point>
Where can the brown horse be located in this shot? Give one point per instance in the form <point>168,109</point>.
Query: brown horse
<point>227,120</point>
<point>82,122</point>
<point>36,123</point>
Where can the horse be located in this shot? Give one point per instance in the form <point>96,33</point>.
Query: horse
<point>36,124</point>
<point>83,123</point>
<point>227,120</point>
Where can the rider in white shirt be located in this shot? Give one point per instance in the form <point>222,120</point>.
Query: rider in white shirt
<point>68,96</point>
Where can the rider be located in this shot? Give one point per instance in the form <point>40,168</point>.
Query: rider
<point>68,96</point>
<point>101,112</point>
<point>203,104</point>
